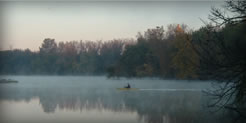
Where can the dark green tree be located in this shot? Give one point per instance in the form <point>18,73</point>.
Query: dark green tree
<point>48,56</point>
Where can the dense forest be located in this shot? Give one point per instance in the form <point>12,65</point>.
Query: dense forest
<point>156,53</point>
<point>72,58</point>
<point>169,53</point>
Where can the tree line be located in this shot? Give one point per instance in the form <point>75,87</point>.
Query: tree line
<point>167,53</point>
<point>72,57</point>
<point>159,53</point>
<point>156,53</point>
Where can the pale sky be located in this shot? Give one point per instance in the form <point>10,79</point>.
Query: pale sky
<point>27,24</point>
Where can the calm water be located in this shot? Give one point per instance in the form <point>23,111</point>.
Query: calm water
<point>73,99</point>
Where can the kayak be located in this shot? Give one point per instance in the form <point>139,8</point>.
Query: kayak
<point>127,89</point>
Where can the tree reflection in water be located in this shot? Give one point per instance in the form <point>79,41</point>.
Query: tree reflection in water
<point>151,106</point>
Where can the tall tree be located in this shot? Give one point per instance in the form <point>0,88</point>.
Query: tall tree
<point>222,51</point>
<point>185,59</point>
<point>48,55</point>
<point>48,46</point>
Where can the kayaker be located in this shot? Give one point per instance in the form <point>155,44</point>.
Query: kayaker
<point>128,86</point>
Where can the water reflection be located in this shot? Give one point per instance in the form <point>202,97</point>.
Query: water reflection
<point>151,106</point>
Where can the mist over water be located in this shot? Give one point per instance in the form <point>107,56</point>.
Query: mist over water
<point>61,99</point>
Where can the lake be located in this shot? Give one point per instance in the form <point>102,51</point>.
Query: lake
<point>95,99</point>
